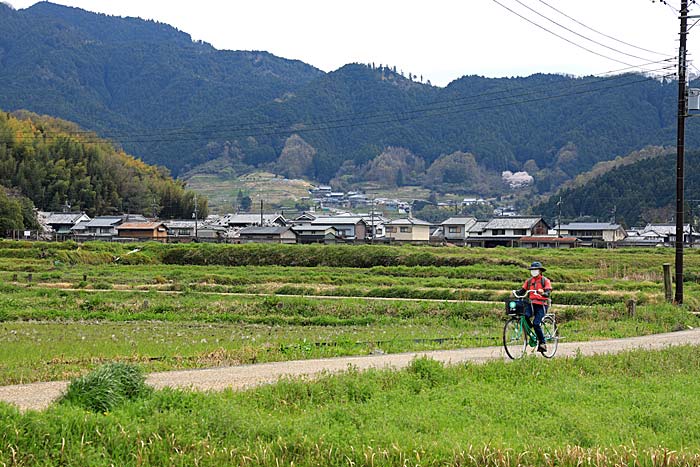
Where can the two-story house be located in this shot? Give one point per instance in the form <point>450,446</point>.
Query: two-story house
<point>456,229</point>
<point>506,231</point>
<point>593,233</point>
<point>409,229</point>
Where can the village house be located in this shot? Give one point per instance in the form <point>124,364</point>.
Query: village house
<point>348,227</point>
<point>213,233</point>
<point>181,230</point>
<point>267,234</point>
<point>248,220</point>
<point>143,231</point>
<point>667,232</point>
<point>102,227</point>
<point>506,231</point>
<point>593,233</point>
<point>548,241</point>
<point>408,230</point>
<point>59,224</point>
<point>456,229</point>
<point>316,234</point>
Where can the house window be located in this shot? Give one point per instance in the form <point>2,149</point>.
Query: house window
<point>405,230</point>
<point>391,230</point>
<point>454,229</point>
<point>519,232</point>
<point>499,231</point>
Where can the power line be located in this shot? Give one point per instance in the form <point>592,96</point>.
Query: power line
<point>598,32</point>
<point>399,118</point>
<point>273,128</point>
<point>578,34</point>
<point>267,124</point>
<point>560,36</point>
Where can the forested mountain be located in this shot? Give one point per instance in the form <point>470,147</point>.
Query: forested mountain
<point>179,103</point>
<point>53,162</point>
<point>633,194</point>
<point>129,79</point>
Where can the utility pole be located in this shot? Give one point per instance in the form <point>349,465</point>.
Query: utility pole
<point>261,213</point>
<point>195,217</point>
<point>680,148</point>
<point>559,219</point>
<point>372,220</point>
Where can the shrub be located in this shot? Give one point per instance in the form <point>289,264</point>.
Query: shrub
<point>106,387</point>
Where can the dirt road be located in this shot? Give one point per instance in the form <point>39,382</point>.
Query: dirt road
<point>37,396</point>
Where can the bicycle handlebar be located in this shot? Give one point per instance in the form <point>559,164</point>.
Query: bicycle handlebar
<point>515,293</point>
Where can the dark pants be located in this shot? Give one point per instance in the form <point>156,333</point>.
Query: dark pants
<point>538,311</point>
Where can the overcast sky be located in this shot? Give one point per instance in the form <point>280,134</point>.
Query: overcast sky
<point>439,39</point>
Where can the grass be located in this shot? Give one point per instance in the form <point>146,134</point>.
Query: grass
<point>170,316</point>
<point>221,191</point>
<point>106,388</point>
<point>630,409</point>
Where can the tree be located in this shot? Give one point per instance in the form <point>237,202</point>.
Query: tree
<point>10,214</point>
<point>246,203</point>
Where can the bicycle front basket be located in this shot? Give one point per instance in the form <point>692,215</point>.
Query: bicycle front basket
<point>515,307</point>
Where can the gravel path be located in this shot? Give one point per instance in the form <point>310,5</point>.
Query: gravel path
<point>37,396</point>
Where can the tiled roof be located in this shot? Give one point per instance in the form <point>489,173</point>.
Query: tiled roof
<point>512,223</point>
<point>590,226</point>
<point>459,221</point>
<point>63,217</point>
<point>105,221</point>
<point>336,220</point>
<point>408,221</point>
<point>479,226</point>
<point>272,230</point>
<point>139,225</point>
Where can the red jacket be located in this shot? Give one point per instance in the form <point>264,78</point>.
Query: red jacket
<point>539,282</point>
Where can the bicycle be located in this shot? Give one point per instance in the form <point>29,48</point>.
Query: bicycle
<point>518,333</point>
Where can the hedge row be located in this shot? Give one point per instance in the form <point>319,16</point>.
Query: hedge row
<point>355,256</point>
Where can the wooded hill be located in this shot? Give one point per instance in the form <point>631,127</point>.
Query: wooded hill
<point>53,162</point>
<point>181,104</point>
<point>633,193</point>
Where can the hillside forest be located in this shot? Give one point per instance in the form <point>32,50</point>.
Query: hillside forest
<point>49,163</point>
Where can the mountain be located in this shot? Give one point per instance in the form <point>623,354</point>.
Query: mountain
<point>181,104</point>
<point>53,162</point>
<point>131,79</point>
<point>637,190</point>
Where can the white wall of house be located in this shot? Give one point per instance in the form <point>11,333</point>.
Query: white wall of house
<point>408,233</point>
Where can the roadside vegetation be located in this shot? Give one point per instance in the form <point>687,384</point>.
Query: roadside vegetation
<point>629,409</point>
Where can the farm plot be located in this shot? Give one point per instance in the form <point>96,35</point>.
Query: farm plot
<point>67,308</point>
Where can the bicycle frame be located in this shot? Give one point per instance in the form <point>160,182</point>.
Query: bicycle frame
<point>519,331</point>
<point>524,324</point>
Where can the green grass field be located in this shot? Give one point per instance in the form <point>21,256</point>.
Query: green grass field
<point>633,409</point>
<point>66,309</point>
<point>88,304</point>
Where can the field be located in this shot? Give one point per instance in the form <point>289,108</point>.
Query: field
<point>69,308</point>
<point>592,411</point>
<point>221,191</point>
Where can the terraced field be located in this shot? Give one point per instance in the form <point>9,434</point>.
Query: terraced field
<point>66,309</point>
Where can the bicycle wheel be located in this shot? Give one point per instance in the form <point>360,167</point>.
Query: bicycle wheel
<point>551,335</point>
<point>514,338</point>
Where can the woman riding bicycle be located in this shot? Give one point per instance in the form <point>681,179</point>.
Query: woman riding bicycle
<point>538,288</point>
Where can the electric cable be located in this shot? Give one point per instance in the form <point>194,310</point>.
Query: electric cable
<point>578,34</point>
<point>599,32</point>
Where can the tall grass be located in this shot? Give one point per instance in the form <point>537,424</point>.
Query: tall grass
<point>107,387</point>
<point>630,409</point>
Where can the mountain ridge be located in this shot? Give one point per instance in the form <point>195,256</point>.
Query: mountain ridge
<point>181,103</point>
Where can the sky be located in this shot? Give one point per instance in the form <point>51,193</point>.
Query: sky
<point>440,40</point>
